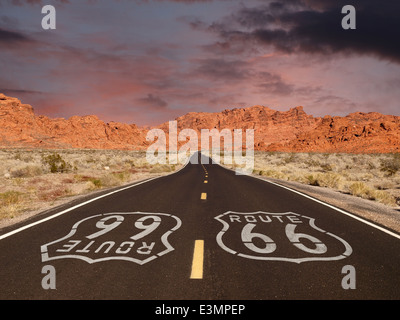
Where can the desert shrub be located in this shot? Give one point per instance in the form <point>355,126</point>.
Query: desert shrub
<point>384,185</point>
<point>97,183</point>
<point>391,165</point>
<point>17,156</point>
<point>11,203</point>
<point>383,197</point>
<point>272,173</point>
<point>122,176</point>
<point>68,180</point>
<point>291,157</point>
<point>92,181</point>
<point>327,167</point>
<point>312,180</point>
<point>329,180</point>
<point>28,171</point>
<point>129,163</point>
<point>80,178</point>
<point>10,198</point>
<point>360,189</point>
<point>161,168</point>
<point>56,163</point>
<point>53,194</point>
<point>312,163</point>
<point>109,180</point>
<point>90,159</point>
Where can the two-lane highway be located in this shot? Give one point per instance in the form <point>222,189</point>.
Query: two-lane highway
<point>200,233</point>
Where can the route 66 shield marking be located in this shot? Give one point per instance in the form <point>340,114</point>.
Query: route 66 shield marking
<point>134,236</point>
<point>278,237</point>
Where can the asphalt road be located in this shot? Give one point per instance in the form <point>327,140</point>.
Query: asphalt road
<point>200,233</point>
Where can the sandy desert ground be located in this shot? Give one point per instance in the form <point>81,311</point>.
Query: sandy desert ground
<point>35,180</point>
<point>369,176</point>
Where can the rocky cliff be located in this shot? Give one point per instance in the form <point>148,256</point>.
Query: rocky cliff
<point>269,126</point>
<point>290,131</point>
<point>356,133</point>
<point>20,127</point>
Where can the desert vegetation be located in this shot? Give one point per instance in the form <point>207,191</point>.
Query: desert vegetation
<point>38,179</point>
<point>34,180</point>
<point>369,176</point>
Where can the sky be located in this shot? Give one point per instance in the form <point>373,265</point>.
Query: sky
<point>151,61</point>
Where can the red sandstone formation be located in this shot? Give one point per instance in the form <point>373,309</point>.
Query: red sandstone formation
<point>20,127</point>
<point>290,131</point>
<point>356,133</point>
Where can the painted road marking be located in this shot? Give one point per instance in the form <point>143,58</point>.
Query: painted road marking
<point>203,196</point>
<point>97,247</point>
<point>198,258</point>
<point>318,241</point>
<point>387,231</point>
<point>205,181</point>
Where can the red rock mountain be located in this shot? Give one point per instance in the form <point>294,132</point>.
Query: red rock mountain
<point>20,127</point>
<point>356,133</point>
<point>291,131</point>
<point>269,126</point>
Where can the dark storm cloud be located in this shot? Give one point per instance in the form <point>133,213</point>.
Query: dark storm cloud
<point>273,83</point>
<point>238,71</point>
<point>16,92</point>
<point>311,26</point>
<point>30,2</point>
<point>220,69</point>
<point>153,101</point>
<point>12,37</point>
<point>187,1</point>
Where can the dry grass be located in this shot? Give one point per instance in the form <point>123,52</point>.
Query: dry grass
<point>37,179</point>
<point>370,176</point>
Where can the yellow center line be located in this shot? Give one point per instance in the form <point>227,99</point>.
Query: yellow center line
<point>205,181</point>
<point>198,257</point>
<point>203,196</point>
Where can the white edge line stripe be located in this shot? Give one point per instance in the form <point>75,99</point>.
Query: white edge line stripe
<point>325,204</point>
<point>6,235</point>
